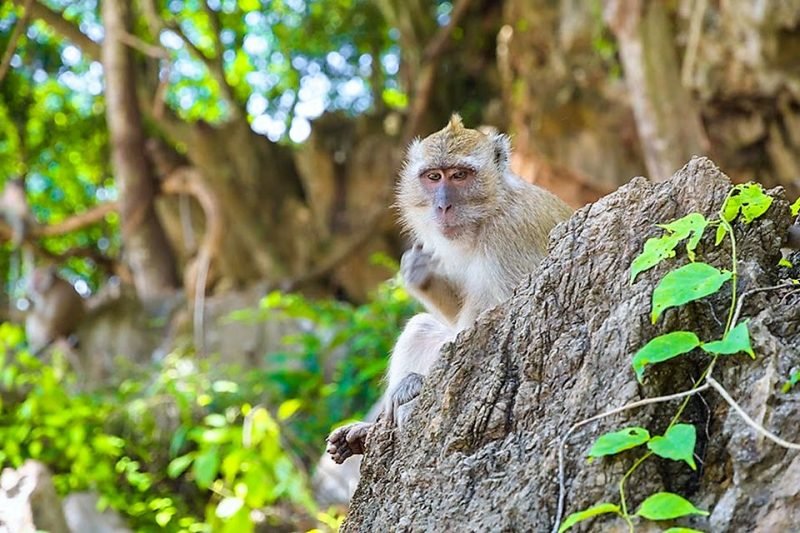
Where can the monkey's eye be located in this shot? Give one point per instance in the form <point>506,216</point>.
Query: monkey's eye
<point>460,175</point>
<point>433,176</point>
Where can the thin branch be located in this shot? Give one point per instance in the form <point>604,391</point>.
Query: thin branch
<point>562,491</point>
<point>216,29</point>
<point>214,65</point>
<point>430,62</point>
<point>752,423</point>
<point>19,27</point>
<point>69,30</point>
<point>438,44</point>
<point>740,303</point>
<point>79,221</point>
<point>73,223</point>
<point>150,50</point>
<point>188,180</point>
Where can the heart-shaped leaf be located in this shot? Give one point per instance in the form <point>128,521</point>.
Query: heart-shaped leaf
<point>617,441</point>
<point>686,284</point>
<point>676,444</point>
<point>666,506</point>
<point>664,348</point>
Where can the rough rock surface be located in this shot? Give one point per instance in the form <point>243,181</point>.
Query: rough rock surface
<point>481,451</point>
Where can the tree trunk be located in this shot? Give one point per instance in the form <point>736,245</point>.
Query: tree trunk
<point>573,130</point>
<point>668,123</point>
<point>147,250</point>
<point>480,451</point>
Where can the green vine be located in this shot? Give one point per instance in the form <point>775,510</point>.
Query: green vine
<point>683,285</point>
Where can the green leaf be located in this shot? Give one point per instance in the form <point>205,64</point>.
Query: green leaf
<point>785,263</point>
<point>682,530</point>
<point>206,466</point>
<point>666,506</point>
<point>178,465</point>
<point>794,379</point>
<point>692,225</point>
<point>288,408</point>
<point>735,341</point>
<point>664,348</point>
<point>676,444</point>
<point>722,230</point>
<point>657,249</point>
<point>749,199</point>
<point>618,441</point>
<point>795,207</point>
<point>594,510</point>
<point>688,283</point>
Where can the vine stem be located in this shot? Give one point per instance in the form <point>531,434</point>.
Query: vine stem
<point>752,423</point>
<point>734,273</point>
<point>750,292</point>
<point>562,491</point>
<point>622,501</point>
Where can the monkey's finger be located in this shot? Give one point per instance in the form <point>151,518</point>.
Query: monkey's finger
<point>332,447</point>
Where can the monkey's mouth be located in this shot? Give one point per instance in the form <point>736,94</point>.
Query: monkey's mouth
<point>452,231</point>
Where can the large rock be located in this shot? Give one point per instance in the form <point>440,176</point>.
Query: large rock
<point>28,501</point>
<point>481,451</point>
<point>82,515</point>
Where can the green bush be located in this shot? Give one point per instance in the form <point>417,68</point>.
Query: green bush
<point>190,446</point>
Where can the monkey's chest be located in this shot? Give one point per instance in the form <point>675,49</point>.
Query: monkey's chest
<point>484,287</point>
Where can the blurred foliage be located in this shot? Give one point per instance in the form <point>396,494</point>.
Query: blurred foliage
<point>189,445</point>
<point>335,366</point>
<point>287,61</point>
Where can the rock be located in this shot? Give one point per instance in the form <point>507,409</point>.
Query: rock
<point>28,501</point>
<point>481,451</point>
<point>80,510</point>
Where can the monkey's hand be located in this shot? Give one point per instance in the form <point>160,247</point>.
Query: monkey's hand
<point>348,440</point>
<point>402,399</point>
<point>418,268</point>
<point>421,274</point>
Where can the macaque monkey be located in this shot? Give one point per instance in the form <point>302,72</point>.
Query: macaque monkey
<point>478,231</point>
<point>57,309</point>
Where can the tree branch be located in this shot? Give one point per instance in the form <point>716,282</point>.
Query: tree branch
<point>19,27</point>
<point>68,29</point>
<point>430,63</point>
<point>73,223</point>
<point>214,65</point>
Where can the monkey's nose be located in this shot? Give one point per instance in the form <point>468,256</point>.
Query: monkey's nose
<point>443,209</point>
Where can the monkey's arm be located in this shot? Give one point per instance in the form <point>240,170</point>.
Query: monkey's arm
<point>439,295</point>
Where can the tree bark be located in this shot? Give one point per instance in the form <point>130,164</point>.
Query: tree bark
<point>480,451</point>
<point>146,247</point>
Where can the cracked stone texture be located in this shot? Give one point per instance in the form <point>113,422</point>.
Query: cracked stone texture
<point>480,451</point>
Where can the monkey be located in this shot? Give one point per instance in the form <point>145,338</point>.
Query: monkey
<point>57,309</point>
<point>478,230</point>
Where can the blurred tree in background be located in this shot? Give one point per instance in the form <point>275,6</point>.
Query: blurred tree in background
<point>258,140</point>
<point>208,148</point>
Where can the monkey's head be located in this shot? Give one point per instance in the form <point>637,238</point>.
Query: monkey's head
<point>452,180</point>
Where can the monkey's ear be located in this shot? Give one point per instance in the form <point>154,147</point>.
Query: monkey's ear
<point>502,149</point>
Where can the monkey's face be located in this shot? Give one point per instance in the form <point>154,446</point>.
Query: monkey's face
<point>448,191</point>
